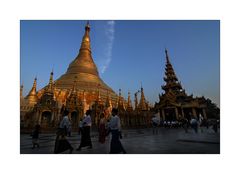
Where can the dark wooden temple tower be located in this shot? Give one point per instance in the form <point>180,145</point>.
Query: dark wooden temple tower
<point>175,104</point>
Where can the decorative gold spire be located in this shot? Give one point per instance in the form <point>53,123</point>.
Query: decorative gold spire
<point>50,83</point>
<point>83,63</point>
<point>142,103</point>
<point>34,87</point>
<point>86,39</point>
<point>32,95</point>
<point>120,103</point>
<point>129,103</point>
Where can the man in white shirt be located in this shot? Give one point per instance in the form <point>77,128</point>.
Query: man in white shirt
<point>86,138</point>
<point>65,123</point>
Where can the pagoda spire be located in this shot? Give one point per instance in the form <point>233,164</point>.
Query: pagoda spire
<point>170,77</point>
<point>129,103</point>
<point>120,103</point>
<point>86,39</point>
<point>84,63</point>
<point>50,83</point>
<point>32,95</point>
<point>167,58</point>
<point>142,103</point>
<point>33,91</point>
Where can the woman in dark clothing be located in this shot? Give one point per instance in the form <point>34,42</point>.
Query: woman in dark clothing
<point>61,143</point>
<point>35,136</point>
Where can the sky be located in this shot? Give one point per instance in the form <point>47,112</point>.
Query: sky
<point>127,53</point>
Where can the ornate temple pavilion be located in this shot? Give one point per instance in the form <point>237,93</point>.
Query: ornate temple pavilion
<point>175,104</point>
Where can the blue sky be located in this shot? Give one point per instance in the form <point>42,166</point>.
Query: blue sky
<point>127,53</point>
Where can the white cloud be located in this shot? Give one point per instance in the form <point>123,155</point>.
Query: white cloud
<point>110,39</point>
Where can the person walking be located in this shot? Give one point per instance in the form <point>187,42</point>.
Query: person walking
<point>200,122</point>
<point>115,128</point>
<point>86,138</point>
<point>155,123</point>
<point>65,123</point>
<point>194,124</point>
<point>35,136</point>
<point>61,143</point>
<point>102,128</point>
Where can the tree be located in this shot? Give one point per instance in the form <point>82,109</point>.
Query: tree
<point>212,110</point>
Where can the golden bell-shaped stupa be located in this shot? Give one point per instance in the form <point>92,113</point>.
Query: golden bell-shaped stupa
<point>84,71</point>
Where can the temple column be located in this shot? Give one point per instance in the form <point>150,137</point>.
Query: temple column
<point>176,112</point>
<point>204,113</point>
<point>163,114</point>
<point>194,112</point>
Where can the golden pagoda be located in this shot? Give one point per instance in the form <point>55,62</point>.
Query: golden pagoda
<point>32,95</point>
<point>79,89</point>
<point>129,103</point>
<point>85,72</point>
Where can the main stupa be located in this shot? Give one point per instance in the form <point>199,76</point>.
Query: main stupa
<point>82,73</point>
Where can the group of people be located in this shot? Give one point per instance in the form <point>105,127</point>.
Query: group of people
<point>113,126</point>
<point>195,123</point>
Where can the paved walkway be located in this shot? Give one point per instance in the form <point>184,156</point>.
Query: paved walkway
<point>137,141</point>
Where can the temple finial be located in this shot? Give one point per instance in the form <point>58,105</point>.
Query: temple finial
<point>50,83</point>
<point>52,70</point>
<point>87,27</point>
<point>35,82</point>
<point>166,52</point>
<point>32,95</point>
